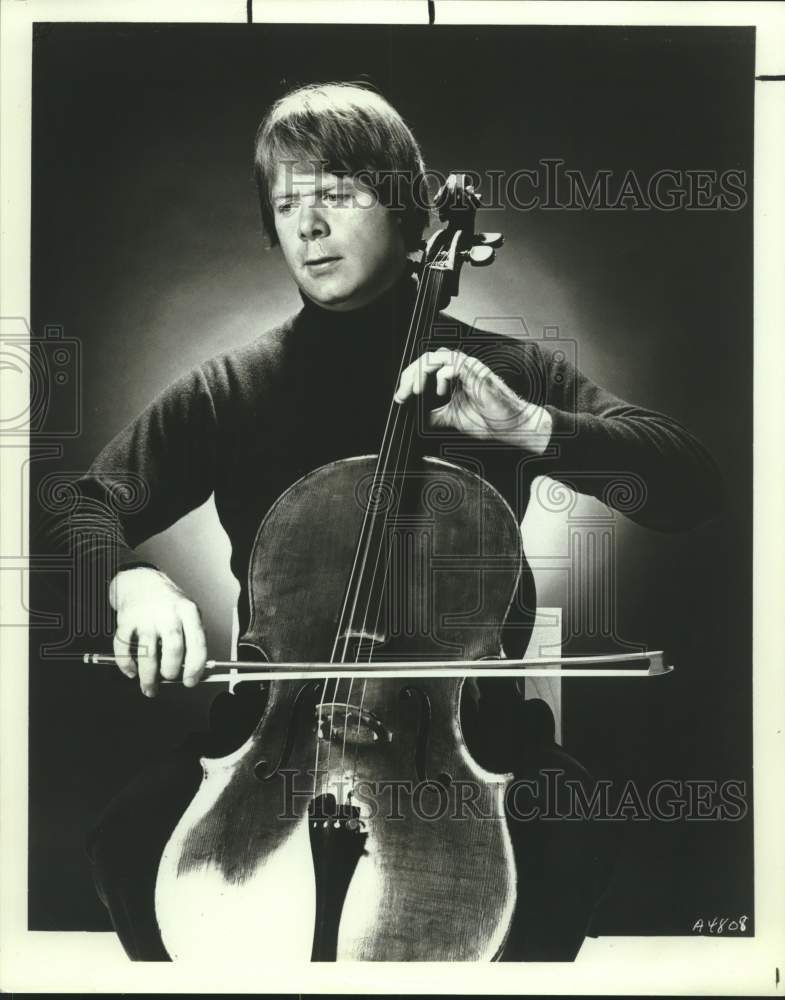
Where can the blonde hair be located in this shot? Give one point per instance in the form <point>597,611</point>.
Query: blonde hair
<point>346,129</point>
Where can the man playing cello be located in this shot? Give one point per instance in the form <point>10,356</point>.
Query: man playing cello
<point>246,425</point>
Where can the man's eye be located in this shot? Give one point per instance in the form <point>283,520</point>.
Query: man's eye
<point>336,197</point>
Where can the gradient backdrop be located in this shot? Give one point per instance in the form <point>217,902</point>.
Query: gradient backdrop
<point>147,251</point>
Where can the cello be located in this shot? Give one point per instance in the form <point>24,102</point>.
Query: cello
<point>292,847</point>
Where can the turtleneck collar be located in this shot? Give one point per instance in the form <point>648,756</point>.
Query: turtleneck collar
<point>386,319</point>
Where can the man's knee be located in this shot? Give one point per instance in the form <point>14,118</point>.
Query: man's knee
<point>125,847</point>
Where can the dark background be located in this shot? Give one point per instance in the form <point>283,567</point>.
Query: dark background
<point>147,252</point>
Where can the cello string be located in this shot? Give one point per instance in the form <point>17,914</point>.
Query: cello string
<point>364,686</point>
<point>393,415</point>
<point>366,536</point>
<point>404,438</point>
<point>405,442</point>
<point>403,420</point>
<point>404,449</point>
<point>399,418</point>
<point>353,583</point>
<point>371,518</point>
<point>430,303</point>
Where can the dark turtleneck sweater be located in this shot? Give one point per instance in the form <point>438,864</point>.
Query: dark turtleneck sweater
<point>246,424</point>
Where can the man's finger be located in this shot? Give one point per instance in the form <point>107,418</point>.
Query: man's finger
<point>472,373</point>
<point>444,376</point>
<point>414,376</point>
<point>404,389</point>
<point>172,650</point>
<point>147,661</point>
<point>122,647</point>
<point>195,645</point>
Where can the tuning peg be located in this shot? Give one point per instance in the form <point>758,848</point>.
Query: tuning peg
<point>488,239</point>
<point>479,256</point>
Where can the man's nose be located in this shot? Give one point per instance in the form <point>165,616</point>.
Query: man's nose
<point>312,222</point>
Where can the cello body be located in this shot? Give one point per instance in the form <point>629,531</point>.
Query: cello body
<point>354,824</point>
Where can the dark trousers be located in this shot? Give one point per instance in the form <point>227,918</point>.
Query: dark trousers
<point>563,865</point>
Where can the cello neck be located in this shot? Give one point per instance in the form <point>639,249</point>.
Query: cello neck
<point>440,268</point>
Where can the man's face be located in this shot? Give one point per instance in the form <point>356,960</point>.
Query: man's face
<point>342,246</point>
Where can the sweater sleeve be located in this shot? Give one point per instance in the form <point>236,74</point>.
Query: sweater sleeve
<point>160,467</point>
<point>640,462</point>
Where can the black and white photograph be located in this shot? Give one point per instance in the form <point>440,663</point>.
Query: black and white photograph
<point>390,444</point>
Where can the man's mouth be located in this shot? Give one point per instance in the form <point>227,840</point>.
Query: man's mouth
<point>321,263</point>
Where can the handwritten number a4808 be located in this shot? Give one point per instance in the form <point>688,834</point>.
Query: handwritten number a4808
<point>721,925</point>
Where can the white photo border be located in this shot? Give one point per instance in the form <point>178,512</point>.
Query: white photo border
<point>82,962</point>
